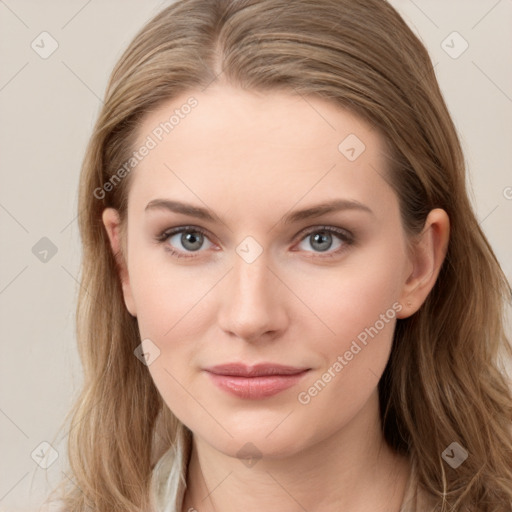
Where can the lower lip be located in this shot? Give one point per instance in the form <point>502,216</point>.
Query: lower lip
<point>255,388</point>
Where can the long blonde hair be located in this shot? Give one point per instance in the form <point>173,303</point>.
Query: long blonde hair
<point>444,381</point>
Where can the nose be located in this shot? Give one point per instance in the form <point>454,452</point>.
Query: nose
<point>253,306</point>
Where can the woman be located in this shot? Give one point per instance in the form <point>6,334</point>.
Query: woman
<point>287,302</point>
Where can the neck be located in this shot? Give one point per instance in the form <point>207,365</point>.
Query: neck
<point>352,470</point>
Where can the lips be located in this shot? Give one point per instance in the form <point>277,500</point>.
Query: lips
<point>255,382</point>
<point>262,369</point>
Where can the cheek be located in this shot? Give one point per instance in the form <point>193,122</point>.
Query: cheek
<point>354,358</point>
<point>166,295</point>
<point>352,297</point>
<point>174,310</point>
<point>169,313</point>
<point>358,303</point>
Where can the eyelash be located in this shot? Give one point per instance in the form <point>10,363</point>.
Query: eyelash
<point>346,237</point>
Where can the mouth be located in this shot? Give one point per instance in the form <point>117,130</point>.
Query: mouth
<point>255,382</point>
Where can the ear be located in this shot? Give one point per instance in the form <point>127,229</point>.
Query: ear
<point>112,223</point>
<point>427,256</point>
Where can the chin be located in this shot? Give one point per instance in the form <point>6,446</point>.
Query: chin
<point>251,442</point>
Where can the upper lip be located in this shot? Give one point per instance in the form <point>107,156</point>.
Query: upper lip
<point>257,370</point>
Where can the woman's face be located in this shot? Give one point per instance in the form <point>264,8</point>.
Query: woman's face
<point>252,280</point>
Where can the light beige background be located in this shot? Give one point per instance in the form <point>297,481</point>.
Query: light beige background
<point>47,108</point>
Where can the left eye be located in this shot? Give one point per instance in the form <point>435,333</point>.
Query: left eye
<point>322,239</point>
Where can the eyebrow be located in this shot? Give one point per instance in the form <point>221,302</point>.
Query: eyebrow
<point>296,216</point>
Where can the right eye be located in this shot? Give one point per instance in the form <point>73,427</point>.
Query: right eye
<point>190,238</point>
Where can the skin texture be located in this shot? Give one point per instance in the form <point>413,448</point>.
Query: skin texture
<point>250,159</point>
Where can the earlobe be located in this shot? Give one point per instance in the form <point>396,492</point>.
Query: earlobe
<point>112,223</point>
<point>427,256</point>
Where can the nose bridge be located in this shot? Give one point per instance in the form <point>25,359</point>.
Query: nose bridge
<point>252,278</point>
<point>252,306</point>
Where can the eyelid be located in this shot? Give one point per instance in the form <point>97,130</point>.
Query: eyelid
<point>166,233</point>
<point>341,232</point>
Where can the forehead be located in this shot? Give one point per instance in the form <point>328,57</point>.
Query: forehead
<point>273,145</point>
